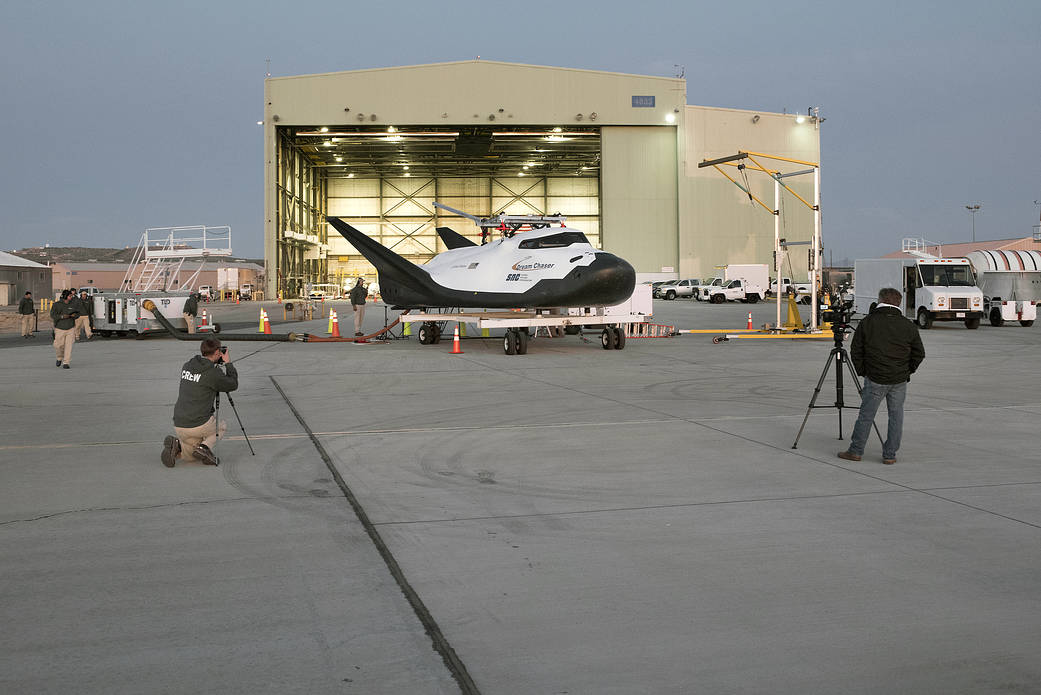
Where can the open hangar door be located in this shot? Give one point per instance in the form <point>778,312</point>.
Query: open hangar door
<point>384,181</point>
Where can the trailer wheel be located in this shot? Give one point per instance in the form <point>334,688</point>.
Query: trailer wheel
<point>608,340</point>
<point>1026,323</point>
<point>925,319</point>
<point>619,339</point>
<point>522,342</point>
<point>425,334</point>
<point>509,342</point>
<point>972,324</point>
<point>216,327</point>
<point>995,318</point>
<point>436,331</point>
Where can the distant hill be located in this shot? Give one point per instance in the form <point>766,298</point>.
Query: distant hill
<point>82,254</point>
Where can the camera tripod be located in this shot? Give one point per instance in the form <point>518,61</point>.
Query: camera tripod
<point>841,359</point>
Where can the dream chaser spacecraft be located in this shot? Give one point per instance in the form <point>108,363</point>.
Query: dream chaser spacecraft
<point>540,267</point>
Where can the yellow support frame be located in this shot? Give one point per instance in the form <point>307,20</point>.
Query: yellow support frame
<point>776,175</point>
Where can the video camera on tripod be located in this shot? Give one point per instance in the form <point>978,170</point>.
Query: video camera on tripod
<point>839,315</point>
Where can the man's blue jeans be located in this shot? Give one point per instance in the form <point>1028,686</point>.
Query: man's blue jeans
<point>894,395</point>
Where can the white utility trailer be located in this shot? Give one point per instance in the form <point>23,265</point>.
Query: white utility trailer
<point>1011,284</point>
<point>123,313</point>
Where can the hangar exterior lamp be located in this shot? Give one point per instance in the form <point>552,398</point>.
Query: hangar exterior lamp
<point>800,119</point>
<point>670,118</point>
<point>325,129</point>
<point>558,129</point>
<point>260,122</point>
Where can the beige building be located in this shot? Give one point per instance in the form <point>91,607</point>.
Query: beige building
<point>108,277</point>
<point>617,154</point>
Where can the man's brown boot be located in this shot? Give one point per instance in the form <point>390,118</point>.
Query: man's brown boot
<point>848,456</point>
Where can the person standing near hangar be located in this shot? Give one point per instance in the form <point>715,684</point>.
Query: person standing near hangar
<point>26,310</point>
<point>82,305</point>
<point>191,310</point>
<point>358,293</point>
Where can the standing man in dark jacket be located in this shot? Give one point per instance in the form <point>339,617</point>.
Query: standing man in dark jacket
<point>64,317</point>
<point>190,311</point>
<point>194,419</point>
<point>358,293</point>
<point>82,304</point>
<point>26,310</point>
<point>886,350</point>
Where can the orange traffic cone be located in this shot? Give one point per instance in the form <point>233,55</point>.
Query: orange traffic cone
<point>750,320</point>
<point>267,325</point>
<point>205,322</point>
<point>455,343</point>
<point>336,326</point>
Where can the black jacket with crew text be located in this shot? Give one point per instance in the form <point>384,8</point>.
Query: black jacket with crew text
<point>886,347</point>
<point>201,380</point>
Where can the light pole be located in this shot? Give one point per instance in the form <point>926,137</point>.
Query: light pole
<point>973,209</point>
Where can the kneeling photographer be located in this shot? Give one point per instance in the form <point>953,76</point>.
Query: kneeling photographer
<point>194,418</point>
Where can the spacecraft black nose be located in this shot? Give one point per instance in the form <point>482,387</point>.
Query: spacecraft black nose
<point>615,278</point>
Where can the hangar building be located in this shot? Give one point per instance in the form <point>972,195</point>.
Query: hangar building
<point>618,154</point>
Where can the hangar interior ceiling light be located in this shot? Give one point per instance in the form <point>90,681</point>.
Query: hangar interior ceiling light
<point>483,150</point>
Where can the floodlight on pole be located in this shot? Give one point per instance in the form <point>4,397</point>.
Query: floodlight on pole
<point>973,209</point>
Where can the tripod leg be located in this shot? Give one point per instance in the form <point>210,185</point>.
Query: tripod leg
<point>236,411</point>
<point>813,400</point>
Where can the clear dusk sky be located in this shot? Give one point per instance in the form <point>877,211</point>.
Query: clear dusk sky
<point>117,116</point>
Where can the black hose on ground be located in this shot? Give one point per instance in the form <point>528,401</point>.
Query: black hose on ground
<point>149,305</point>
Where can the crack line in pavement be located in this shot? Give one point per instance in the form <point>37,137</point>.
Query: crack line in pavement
<point>640,508</point>
<point>452,661</point>
<point>86,510</point>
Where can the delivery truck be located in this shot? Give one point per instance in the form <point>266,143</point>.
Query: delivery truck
<point>933,289</point>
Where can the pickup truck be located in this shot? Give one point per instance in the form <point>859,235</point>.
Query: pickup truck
<point>799,287</point>
<point>681,288</point>
<point>704,289</point>
<point>735,290</point>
